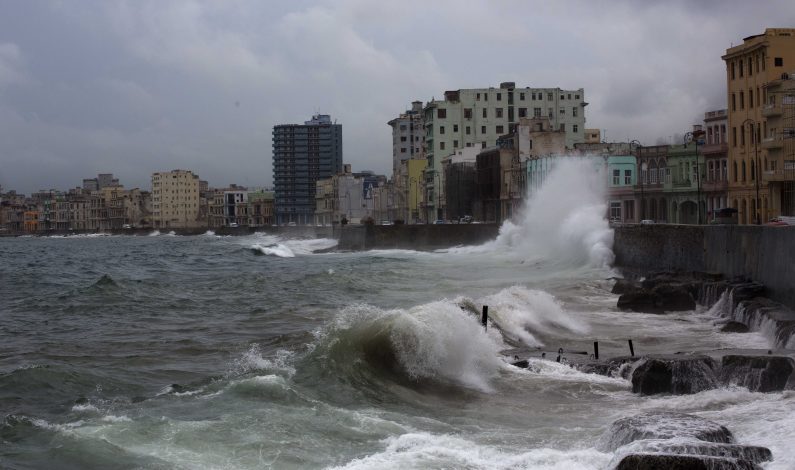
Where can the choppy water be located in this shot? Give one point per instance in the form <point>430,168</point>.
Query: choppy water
<point>252,352</point>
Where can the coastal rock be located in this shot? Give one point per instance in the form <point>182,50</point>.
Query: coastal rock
<point>757,373</point>
<point>747,291</point>
<point>639,300</point>
<point>663,425</point>
<point>674,297</point>
<point>622,286</point>
<point>682,462</point>
<point>734,327</point>
<point>679,375</point>
<point>755,454</point>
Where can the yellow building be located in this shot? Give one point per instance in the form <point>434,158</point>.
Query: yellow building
<point>750,68</point>
<point>175,200</point>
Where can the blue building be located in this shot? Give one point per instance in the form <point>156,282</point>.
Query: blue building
<point>303,154</point>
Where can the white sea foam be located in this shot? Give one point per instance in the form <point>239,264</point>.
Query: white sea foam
<point>86,407</point>
<point>519,311</point>
<point>564,221</point>
<point>116,419</point>
<point>252,360</point>
<point>154,233</point>
<point>273,245</point>
<point>279,250</point>
<point>426,450</point>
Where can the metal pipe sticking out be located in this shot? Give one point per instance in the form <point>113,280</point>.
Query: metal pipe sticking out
<point>631,348</point>
<point>484,319</point>
<point>596,349</point>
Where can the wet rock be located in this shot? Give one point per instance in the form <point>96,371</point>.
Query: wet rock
<point>774,319</point>
<point>682,462</point>
<point>679,375</point>
<point>747,291</point>
<point>754,454</point>
<point>757,373</point>
<point>639,300</point>
<point>663,425</point>
<point>674,297</point>
<point>622,286</point>
<point>734,327</point>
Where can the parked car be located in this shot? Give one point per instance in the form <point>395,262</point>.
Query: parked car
<point>386,222</point>
<point>126,226</point>
<point>467,219</point>
<point>439,221</point>
<point>647,222</point>
<point>779,222</point>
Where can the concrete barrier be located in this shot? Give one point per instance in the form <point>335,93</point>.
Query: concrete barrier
<point>414,237</point>
<point>760,253</point>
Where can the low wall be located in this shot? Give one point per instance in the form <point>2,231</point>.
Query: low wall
<point>414,237</point>
<point>760,253</point>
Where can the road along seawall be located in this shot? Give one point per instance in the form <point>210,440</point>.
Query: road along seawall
<point>414,237</point>
<point>760,253</point>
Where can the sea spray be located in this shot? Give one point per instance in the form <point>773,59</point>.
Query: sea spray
<point>563,221</point>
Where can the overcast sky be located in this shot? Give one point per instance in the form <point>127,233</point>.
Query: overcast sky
<point>133,87</point>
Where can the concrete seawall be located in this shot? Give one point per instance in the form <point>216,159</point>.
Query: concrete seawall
<point>760,253</point>
<point>414,237</point>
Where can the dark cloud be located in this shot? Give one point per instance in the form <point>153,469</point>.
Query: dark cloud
<point>143,86</point>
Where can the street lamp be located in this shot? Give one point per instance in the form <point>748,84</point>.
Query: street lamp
<point>757,172</point>
<point>642,168</point>
<point>694,135</point>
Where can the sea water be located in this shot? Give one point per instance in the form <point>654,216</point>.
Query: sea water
<point>209,352</point>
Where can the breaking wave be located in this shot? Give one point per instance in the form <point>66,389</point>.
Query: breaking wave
<point>272,245</point>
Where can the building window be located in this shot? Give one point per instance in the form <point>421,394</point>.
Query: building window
<point>615,210</point>
<point>455,127</point>
<point>499,96</point>
<point>742,100</point>
<point>403,138</point>
<point>574,111</point>
<point>455,144</point>
<point>575,128</point>
<point>484,112</point>
<point>468,130</point>
<point>750,67</point>
<point>562,111</point>
<point>521,96</point>
<point>441,129</point>
<point>562,97</point>
<point>441,113</point>
<point>550,112</point>
<point>734,171</point>
<point>403,150</point>
<point>533,96</point>
<point>549,96</point>
<point>537,112</point>
<point>628,177</point>
<point>616,177</point>
<point>576,97</point>
<point>734,137</point>
<point>750,98</point>
<point>482,129</point>
<point>732,69</point>
<point>498,112</point>
<point>734,102</point>
<point>467,113</point>
<point>562,127</point>
<point>742,174</point>
<point>778,62</point>
<point>500,129</point>
<point>477,97</point>
<point>740,68</point>
<point>522,112</point>
<point>485,96</point>
<point>441,145</point>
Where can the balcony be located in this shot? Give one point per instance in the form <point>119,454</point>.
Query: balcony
<point>778,175</point>
<point>712,149</point>
<point>771,143</point>
<point>771,110</point>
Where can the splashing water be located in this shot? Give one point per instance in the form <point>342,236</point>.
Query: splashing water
<point>564,220</point>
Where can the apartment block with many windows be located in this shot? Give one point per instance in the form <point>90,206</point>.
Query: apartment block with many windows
<point>175,200</point>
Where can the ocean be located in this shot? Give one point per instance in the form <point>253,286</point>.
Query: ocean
<point>210,352</point>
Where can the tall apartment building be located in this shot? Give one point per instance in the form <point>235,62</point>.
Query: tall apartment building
<point>779,168</point>
<point>408,136</point>
<point>303,154</point>
<point>478,117</point>
<point>754,140</point>
<point>175,200</point>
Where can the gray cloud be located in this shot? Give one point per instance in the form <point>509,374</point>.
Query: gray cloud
<point>132,87</point>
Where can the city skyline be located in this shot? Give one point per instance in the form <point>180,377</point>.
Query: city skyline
<point>135,88</point>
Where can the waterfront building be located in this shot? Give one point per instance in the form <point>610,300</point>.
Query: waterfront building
<point>750,68</point>
<point>682,184</point>
<point>621,180</point>
<point>303,154</point>
<point>778,168</point>
<point>652,168</point>
<point>715,162</point>
<point>408,137</point>
<point>593,136</point>
<point>459,183</point>
<point>260,208</point>
<point>175,200</point>
<point>478,117</point>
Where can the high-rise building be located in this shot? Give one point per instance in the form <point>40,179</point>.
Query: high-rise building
<point>478,117</point>
<point>408,136</point>
<point>756,139</point>
<point>303,154</point>
<point>175,200</point>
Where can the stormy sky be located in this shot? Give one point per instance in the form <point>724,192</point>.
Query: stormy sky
<point>133,87</point>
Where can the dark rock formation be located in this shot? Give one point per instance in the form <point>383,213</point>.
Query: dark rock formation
<point>679,375</point>
<point>622,286</point>
<point>734,327</point>
<point>663,425</point>
<point>682,462</point>
<point>639,300</point>
<point>659,299</point>
<point>757,373</point>
<point>754,454</point>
